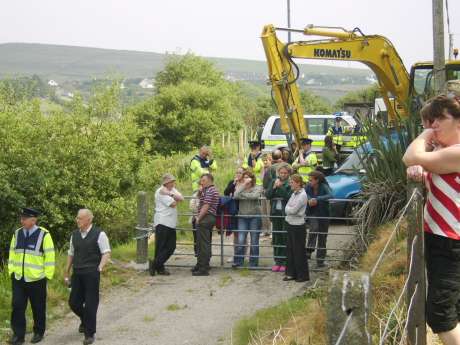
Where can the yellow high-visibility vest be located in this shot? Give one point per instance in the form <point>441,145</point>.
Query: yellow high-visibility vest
<point>256,169</point>
<point>304,170</point>
<point>33,259</point>
<point>199,167</point>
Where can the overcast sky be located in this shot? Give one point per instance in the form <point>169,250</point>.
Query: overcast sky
<point>214,27</point>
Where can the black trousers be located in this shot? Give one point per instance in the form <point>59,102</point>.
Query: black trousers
<point>35,292</point>
<point>317,238</point>
<point>203,241</point>
<point>165,245</point>
<point>297,262</point>
<point>84,299</point>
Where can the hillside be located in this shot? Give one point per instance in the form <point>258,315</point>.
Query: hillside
<point>66,63</point>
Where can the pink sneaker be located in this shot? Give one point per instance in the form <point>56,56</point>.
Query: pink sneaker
<point>282,269</point>
<point>276,268</point>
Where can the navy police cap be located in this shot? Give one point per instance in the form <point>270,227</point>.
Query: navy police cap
<point>254,143</point>
<point>306,141</point>
<point>29,212</point>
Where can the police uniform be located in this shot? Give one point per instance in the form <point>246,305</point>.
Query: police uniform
<point>310,161</point>
<point>255,163</point>
<point>336,132</point>
<point>198,167</point>
<point>31,263</point>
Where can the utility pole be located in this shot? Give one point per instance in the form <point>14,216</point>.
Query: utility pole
<point>439,63</point>
<point>289,19</point>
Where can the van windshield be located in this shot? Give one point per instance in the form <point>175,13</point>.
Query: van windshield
<point>315,127</point>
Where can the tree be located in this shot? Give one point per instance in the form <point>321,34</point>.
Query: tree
<point>313,104</point>
<point>367,95</point>
<point>193,102</point>
<point>187,67</point>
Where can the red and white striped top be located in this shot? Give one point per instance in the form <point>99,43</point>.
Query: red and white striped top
<point>442,209</point>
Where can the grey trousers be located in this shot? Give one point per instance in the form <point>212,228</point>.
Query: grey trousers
<point>203,239</point>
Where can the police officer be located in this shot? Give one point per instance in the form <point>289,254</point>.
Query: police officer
<point>336,132</point>
<point>201,164</point>
<point>254,161</point>
<point>307,160</point>
<point>31,263</point>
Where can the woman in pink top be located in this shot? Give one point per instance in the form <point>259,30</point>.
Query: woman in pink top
<point>435,155</point>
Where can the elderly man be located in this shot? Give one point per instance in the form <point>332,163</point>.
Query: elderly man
<point>31,263</point>
<point>88,253</point>
<point>205,221</point>
<point>165,220</point>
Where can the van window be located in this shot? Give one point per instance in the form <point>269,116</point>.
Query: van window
<point>315,127</point>
<point>276,129</point>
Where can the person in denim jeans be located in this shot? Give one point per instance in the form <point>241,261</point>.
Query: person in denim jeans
<point>249,220</point>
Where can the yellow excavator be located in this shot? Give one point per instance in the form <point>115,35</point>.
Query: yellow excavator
<point>399,89</point>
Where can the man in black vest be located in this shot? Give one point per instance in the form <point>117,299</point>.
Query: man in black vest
<point>88,253</point>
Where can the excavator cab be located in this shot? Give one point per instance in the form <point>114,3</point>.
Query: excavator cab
<point>421,80</point>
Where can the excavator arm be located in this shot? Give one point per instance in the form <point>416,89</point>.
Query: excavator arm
<point>377,52</point>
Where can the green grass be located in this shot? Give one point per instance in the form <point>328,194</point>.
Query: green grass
<point>225,280</point>
<point>264,321</point>
<point>125,252</point>
<point>176,307</point>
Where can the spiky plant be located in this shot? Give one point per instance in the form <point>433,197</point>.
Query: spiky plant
<point>385,185</point>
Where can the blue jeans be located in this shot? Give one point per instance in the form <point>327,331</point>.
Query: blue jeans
<point>245,224</point>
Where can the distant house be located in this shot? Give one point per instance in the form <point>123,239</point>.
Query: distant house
<point>146,83</point>
<point>52,83</point>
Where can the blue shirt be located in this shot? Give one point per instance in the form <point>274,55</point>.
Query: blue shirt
<point>27,233</point>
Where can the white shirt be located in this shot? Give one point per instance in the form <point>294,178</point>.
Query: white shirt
<point>164,213</point>
<point>102,241</point>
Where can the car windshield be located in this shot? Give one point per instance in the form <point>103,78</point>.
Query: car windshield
<point>351,164</point>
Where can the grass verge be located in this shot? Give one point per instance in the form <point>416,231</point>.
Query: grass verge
<point>301,321</point>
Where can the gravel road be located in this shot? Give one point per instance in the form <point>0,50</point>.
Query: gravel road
<point>181,309</point>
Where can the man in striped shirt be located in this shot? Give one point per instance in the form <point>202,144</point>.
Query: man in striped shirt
<point>205,221</point>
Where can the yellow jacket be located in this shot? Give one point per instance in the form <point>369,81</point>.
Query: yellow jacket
<point>198,167</point>
<point>32,257</point>
<point>256,168</point>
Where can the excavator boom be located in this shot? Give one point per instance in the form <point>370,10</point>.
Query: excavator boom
<point>377,52</point>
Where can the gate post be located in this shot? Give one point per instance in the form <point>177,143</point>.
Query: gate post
<point>416,323</point>
<point>142,242</point>
<point>349,308</point>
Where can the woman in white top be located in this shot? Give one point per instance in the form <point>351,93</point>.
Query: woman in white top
<point>297,262</point>
<point>165,221</point>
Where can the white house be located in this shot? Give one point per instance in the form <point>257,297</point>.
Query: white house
<point>52,83</point>
<point>146,84</point>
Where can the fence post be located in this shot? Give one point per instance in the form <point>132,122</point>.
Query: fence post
<point>349,292</point>
<point>142,243</point>
<point>416,324</point>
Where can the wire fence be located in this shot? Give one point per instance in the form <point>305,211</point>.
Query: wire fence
<point>410,328</point>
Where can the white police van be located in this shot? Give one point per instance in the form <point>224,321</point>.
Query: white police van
<point>317,125</point>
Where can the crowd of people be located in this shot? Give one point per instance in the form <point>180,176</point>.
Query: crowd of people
<point>270,195</point>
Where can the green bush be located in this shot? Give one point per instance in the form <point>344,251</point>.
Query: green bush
<point>62,162</point>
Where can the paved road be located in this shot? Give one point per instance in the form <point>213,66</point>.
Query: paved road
<point>185,310</point>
